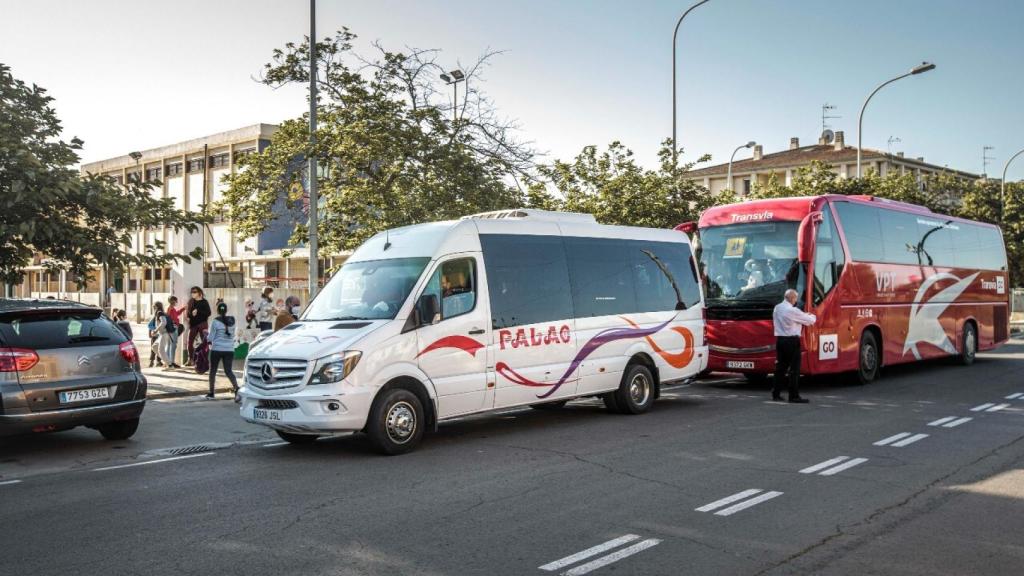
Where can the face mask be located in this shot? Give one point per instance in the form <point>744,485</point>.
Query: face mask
<point>295,310</point>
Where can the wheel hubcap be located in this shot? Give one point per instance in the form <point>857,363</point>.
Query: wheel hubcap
<point>639,389</point>
<point>970,344</point>
<point>401,422</point>
<point>869,358</point>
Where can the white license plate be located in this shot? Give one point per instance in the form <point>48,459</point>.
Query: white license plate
<point>72,396</point>
<point>270,415</point>
<point>741,364</point>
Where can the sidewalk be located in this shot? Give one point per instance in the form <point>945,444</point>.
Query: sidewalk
<point>179,381</point>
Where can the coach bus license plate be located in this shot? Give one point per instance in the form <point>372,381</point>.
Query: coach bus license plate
<point>739,364</point>
<point>262,414</point>
<point>72,396</point>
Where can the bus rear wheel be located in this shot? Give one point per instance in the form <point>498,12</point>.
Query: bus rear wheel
<point>868,364</point>
<point>968,345</point>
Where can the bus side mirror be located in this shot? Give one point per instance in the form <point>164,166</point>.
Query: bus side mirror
<point>687,228</point>
<point>805,236</point>
<point>428,310</point>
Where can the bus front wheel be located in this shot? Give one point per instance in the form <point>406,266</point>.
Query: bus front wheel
<point>968,345</point>
<point>870,358</point>
<point>636,392</point>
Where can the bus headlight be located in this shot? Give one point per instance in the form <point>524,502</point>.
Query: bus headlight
<point>335,368</point>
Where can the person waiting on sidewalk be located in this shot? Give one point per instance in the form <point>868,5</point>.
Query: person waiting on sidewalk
<point>788,322</point>
<point>174,330</point>
<point>197,313</point>
<point>162,328</point>
<point>121,319</point>
<point>154,352</point>
<point>265,310</point>
<point>292,307</point>
<point>222,348</point>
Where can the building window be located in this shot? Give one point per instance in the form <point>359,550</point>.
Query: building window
<point>244,152</point>
<point>133,177</point>
<point>118,178</point>
<point>152,174</point>
<point>195,165</point>
<point>219,160</point>
<point>174,169</point>
<point>746,187</point>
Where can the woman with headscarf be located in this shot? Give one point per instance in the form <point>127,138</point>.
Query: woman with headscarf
<point>222,347</point>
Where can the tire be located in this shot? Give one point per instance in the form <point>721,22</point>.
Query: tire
<point>119,430</point>
<point>396,422</point>
<point>611,403</point>
<point>292,438</point>
<point>556,405</point>
<point>968,345</point>
<point>637,390</point>
<point>868,358</point>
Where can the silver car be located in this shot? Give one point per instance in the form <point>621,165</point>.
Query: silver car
<point>64,364</point>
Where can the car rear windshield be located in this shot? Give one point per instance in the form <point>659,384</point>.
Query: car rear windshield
<point>40,331</point>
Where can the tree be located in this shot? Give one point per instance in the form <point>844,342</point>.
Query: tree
<point>395,151</point>
<point>616,190</point>
<point>48,209</point>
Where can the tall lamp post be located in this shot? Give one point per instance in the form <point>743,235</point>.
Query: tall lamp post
<point>138,291</point>
<point>675,34</point>
<point>314,198</point>
<point>1002,184</point>
<point>923,67</point>
<point>452,79</point>
<point>728,178</point>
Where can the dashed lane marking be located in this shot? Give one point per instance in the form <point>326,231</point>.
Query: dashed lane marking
<point>148,462</point>
<point>900,440</point>
<point>957,422</point>
<point>823,465</point>
<point>613,557</point>
<point>744,501</point>
<point>844,466</point>
<point>9,482</point>
<point>891,439</point>
<point>942,421</point>
<point>909,441</point>
<point>272,444</point>
<point>998,408</point>
<point>1015,396</point>
<point>592,551</point>
<point>748,503</point>
<point>982,407</point>
<point>728,500</point>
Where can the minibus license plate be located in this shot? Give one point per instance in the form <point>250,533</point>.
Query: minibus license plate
<point>739,364</point>
<point>271,415</point>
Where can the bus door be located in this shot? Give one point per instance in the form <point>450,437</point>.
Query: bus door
<point>828,261</point>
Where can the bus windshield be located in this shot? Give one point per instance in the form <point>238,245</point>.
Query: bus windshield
<point>371,290</point>
<point>749,265</point>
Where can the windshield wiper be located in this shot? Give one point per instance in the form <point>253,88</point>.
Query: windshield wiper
<point>744,303</point>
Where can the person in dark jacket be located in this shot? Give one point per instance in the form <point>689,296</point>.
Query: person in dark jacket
<point>222,347</point>
<point>197,313</point>
<point>121,319</point>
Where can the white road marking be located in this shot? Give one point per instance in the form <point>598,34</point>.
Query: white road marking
<point>271,445</point>
<point>613,557</point>
<point>592,551</point>
<point>958,422</point>
<point>148,462</point>
<point>728,500</point>
<point>997,408</point>
<point>748,503</point>
<point>982,407</point>
<point>844,466</point>
<point>1015,395</point>
<point>9,482</point>
<point>823,465</point>
<point>942,421</point>
<point>891,439</point>
<point>909,441</point>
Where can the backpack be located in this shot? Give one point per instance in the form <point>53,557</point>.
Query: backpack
<point>201,356</point>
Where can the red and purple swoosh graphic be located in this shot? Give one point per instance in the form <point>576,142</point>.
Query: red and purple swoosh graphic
<point>677,360</point>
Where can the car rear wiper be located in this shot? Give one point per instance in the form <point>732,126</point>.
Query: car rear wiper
<point>77,339</point>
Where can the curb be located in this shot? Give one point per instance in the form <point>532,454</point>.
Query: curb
<point>157,395</point>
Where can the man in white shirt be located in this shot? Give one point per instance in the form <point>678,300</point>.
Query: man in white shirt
<point>788,321</point>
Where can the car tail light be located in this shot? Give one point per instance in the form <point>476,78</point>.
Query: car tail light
<point>17,359</point>
<point>129,352</point>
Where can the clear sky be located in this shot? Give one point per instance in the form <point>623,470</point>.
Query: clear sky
<point>130,75</point>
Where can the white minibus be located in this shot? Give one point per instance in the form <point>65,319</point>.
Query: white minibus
<point>515,308</point>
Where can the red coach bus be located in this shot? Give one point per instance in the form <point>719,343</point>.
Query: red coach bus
<point>889,282</point>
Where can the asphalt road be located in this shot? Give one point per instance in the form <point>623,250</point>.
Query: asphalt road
<point>715,480</point>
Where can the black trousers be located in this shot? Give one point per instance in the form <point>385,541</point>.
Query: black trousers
<point>787,359</point>
<point>226,358</point>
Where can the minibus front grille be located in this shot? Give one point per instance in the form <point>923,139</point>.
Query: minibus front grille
<point>275,373</point>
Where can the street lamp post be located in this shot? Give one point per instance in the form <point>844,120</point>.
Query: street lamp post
<point>1002,184</point>
<point>923,67</point>
<point>675,34</point>
<point>728,178</point>
<point>453,80</point>
<point>314,198</point>
<point>138,291</point>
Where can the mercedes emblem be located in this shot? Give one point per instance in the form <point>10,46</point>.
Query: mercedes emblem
<point>267,373</point>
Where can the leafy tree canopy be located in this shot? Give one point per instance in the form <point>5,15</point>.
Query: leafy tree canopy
<point>47,209</point>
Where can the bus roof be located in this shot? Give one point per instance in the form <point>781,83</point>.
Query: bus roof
<point>795,208</point>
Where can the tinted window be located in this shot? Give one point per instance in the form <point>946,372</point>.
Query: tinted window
<point>899,236</point>
<point>863,233</point>
<point>602,273</point>
<point>992,249</point>
<point>936,247</point>
<point>453,283</point>
<point>659,269</point>
<point>528,279</point>
<point>59,330</point>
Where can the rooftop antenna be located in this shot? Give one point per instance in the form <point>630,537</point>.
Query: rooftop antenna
<point>825,116</point>
<point>892,140</point>
<point>387,239</point>
<point>984,160</point>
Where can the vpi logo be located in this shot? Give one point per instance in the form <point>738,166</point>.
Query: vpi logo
<point>268,373</point>
<point>924,316</point>
<point>885,282</point>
